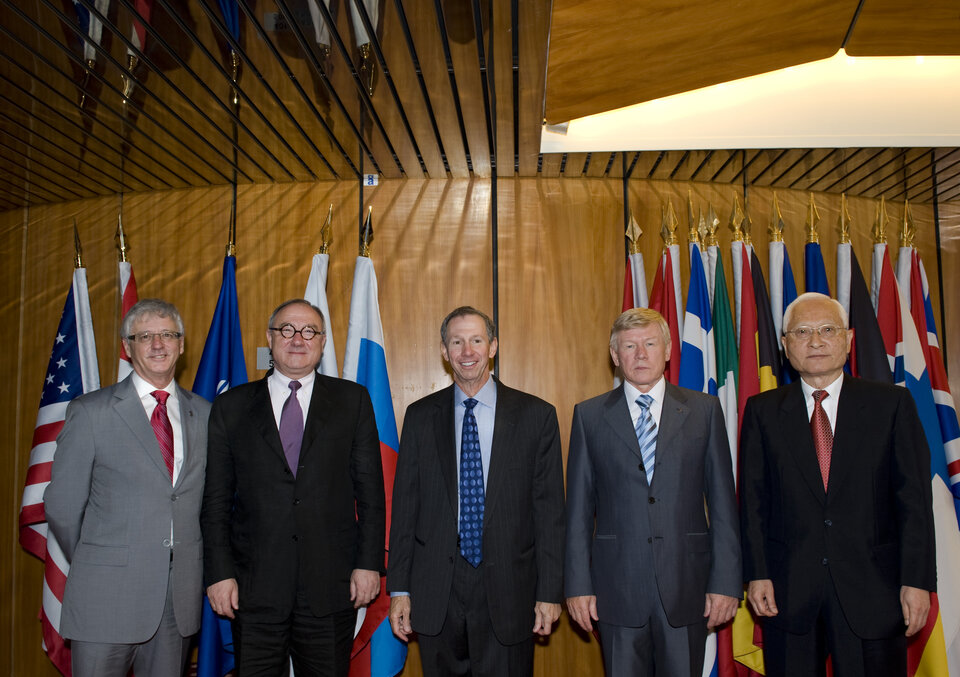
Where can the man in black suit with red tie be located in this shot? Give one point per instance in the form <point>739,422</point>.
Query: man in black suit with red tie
<point>293,511</point>
<point>836,516</point>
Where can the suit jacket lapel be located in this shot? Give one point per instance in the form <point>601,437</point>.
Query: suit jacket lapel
<point>795,425</point>
<point>504,431</point>
<point>617,415</point>
<point>261,414</point>
<point>317,416</point>
<point>131,411</point>
<point>847,429</point>
<point>446,445</point>
<point>673,414</point>
<point>191,425</point>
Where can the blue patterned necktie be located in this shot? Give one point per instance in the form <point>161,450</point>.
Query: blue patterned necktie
<point>646,430</point>
<point>471,488</point>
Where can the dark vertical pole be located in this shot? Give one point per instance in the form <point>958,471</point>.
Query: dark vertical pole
<point>936,230</point>
<point>360,145</point>
<point>492,126</point>
<point>626,203</point>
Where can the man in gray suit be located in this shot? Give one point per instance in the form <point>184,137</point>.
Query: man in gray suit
<point>653,551</point>
<point>124,504</point>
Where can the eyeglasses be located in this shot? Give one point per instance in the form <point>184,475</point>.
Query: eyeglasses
<point>288,332</point>
<point>146,337</point>
<point>827,332</point>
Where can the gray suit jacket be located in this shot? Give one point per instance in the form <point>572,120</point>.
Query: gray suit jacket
<point>634,545</point>
<point>110,505</point>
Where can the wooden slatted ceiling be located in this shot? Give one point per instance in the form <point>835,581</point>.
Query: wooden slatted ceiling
<point>443,91</point>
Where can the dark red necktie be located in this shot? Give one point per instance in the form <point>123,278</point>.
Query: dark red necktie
<point>163,429</point>
<point>822,435</point>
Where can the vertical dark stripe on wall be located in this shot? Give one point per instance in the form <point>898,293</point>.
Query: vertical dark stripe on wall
<point>491,92</point>
<point>936,230</point>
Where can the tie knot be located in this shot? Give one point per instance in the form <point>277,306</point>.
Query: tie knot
<point>644,401</point>
<point>161,397</point>
<point>294,386</point>
<point>820,395</point>
<point>470,403</point>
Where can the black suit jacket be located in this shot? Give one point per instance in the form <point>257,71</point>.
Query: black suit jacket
<point>269,529</point>
<point>523,512</point>
<point>871,532</point>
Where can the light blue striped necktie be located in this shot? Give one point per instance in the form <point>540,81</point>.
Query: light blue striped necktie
<point>646,430</point>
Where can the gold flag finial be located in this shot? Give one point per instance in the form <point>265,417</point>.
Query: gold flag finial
<point>366,233</point>
<point>813,219</point>
<point>78,258</point>
<point>736,219</point>
<point>127,80</point>
<point>326,232</point>
<point>776,224</point>
<point>709,236</point>
<point>668,225</point>
<point>908,229</point>
<point>633,234</point>
<point>746,227</point>
<point>121,241</point>
<point>692,224</point>
<point>843,222</point>
<point>880,223</point>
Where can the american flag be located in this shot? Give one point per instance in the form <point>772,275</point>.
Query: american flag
<point>72,371</point>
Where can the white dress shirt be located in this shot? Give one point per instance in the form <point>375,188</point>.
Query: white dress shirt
<point>829,403</point>
<point>279,387</point>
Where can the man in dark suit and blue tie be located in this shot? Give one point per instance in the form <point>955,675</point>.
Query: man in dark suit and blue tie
<point>653,550</point>
<point>835,509</point>
<point>476,539</point>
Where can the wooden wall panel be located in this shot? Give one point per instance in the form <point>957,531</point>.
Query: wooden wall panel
<point>12,611</point>
<point>560,271</point>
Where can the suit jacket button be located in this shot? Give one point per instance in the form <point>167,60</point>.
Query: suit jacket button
<point>828,523</point>
<point>174,497</point>
<point>649,540</point>
<point>823,561</point>
<point>295,537</point>
<point>651,500</point>
<point>641,468</point>
<point>296,501</point>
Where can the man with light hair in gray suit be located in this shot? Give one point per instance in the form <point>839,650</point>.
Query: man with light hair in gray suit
<point>124,504</point>
<point>653,549</point>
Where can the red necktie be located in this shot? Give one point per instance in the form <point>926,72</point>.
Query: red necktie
<point>822,435</point>
<point>163,429</point>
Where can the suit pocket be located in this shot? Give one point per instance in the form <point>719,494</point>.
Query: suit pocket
<point>103,555</point>
<point>698,542</point>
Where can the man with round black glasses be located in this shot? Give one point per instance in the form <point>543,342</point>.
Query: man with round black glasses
<point>294,512</point>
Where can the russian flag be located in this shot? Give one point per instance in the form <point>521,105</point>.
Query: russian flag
<point>376,651</point>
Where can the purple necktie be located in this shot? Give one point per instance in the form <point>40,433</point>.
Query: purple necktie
<point>291,427</point>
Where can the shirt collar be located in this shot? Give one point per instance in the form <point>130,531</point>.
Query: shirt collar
<point>657,392</point>
<point>487,395</point>
<point>143,388</point>
<point>284,381</point>
<point>833,389</point>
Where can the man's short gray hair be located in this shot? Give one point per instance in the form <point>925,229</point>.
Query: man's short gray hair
<point>813,296</point>
<point>464,311</point>
<point>294,302</point>
<point>636,318</point>
<point>145,307</point>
